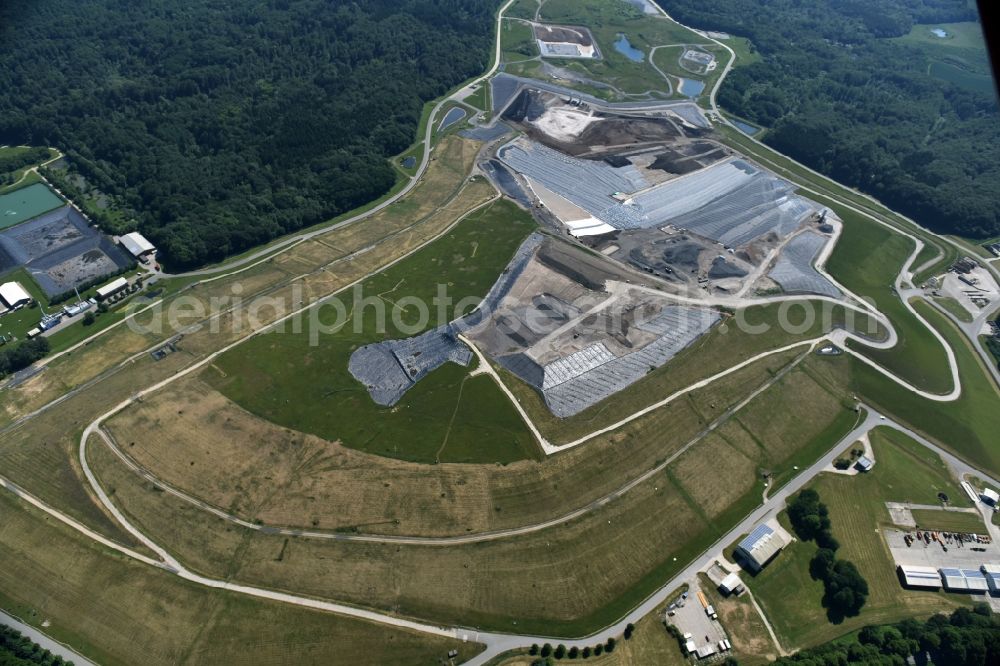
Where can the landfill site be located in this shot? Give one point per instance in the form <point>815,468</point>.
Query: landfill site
<point>649,188</point>
<point>572,325</point>
<point>61,251</point>
<point>652,225</point>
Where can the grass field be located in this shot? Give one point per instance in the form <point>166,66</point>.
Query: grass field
<point>518,41</point>
<point>185,431</point>
<point>446,417</point>
<point>966,426</point>
<point>904,472</point>
<point>479,98</point>
<point>959,57</point>
<point>606,20</point>
<point>866,260</point>
<point>116,611</point>
<point>954,308</point>
<point>25,203</point>
<point>949,521</point>
<point>622,550</point>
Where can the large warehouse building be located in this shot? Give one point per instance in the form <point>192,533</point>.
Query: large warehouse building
<point>13,295</point>
<point>761,545</point>
<point>926,578</point>
<point>137,245</point>
<point>964,580</point>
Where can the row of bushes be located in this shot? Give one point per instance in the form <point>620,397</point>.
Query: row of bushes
<point>547,652</point>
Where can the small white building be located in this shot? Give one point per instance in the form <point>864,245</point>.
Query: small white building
<point>110,289</point>
<point>990,496</point>
<point>731,584</point>
<point>14,295</point>
<point>137,245</point>
<point>864,464</point>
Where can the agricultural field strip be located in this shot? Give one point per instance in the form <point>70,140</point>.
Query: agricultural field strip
<point>484,368</point>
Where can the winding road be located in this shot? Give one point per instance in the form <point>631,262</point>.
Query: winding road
<point>497,643</point>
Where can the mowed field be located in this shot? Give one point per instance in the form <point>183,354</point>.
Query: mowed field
<point>194,438</point>
<point>606,20</point>
<point>904,472</point>
<point>301,380</point>
<point>117,611</point>
<point>966,426</point>
<point>35,455</point>
<point>622,550</point>
<point>866,260</point>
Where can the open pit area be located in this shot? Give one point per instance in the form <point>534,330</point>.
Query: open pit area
<point>656,192</point>
<point>60,250</point>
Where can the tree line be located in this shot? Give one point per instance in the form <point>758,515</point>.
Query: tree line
<point>227,124</point>
<point>841,98</point>
<point>845,590</point>
<point>17,649</point>
<point>20,356</point>
<point>19,159</point>
<point>967,637</point>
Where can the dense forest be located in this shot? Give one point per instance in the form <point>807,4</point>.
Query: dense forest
<point>225,123</point>
<point>842,98</point>
<point>968,637</point>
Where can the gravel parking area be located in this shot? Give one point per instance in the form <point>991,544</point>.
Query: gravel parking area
<point>963,555</point>
<point>692,619</point>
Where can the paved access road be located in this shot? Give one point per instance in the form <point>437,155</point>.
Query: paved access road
<point>496,642</point>
<point>50,644</point>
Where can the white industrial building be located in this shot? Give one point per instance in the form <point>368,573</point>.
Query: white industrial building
<point>111,288</point>
<point>922,577</point>
<point>990,497</point>
<point>964,580</point>
<point>13,295</point>
<point>731,584</point>
<point>992,575</point>
<point>137,245</point>
<point>761,545</point>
